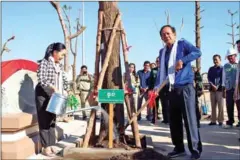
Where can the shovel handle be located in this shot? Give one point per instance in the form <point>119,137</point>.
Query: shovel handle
<point>144,105</point>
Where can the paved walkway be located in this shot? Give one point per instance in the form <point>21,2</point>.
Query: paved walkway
<point>218,143</point>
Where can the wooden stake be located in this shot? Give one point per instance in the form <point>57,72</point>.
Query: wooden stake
<point>108,54</point>
<point>98,47</point>
<point>90,128</point>
<point>128,78</point>
<point>110,130</point>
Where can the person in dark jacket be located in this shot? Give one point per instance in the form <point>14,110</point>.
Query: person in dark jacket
<point>144,75</point>
<point>152,80</point>
<point>215,80</point>
<point>199,92</point>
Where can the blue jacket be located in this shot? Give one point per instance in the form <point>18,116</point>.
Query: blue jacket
<point>144,78</point>
<point>187,53</point>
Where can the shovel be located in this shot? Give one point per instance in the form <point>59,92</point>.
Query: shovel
<point>83,109</point>
<point>144,105</point>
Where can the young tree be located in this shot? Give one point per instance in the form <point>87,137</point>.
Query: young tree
<point>233,35</point>
<point>67,10</point>
<point>113,75</point>
<point>197,30</point>
<point>67,36</point>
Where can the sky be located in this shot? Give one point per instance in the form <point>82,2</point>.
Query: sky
<point>36,25</point>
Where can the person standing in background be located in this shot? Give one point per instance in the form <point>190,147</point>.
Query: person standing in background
<point>152,80</point>
<point>215,80</point>
<point>229,85</point>
<point>134,85</point>
<point>84,83</point>
<point>199,92</point>
<point>236,92</point>
<point>144,87</point>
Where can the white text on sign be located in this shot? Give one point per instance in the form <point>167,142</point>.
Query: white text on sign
<point>109,95</point>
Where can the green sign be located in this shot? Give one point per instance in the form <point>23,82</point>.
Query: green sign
<point>111,96</point>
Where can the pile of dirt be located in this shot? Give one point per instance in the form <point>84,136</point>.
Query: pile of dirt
<point>149,154</point>
<point>146,154</point>
<point>121,157</point>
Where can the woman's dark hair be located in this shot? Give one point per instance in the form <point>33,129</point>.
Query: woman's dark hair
<point>53,47</point>
<point>134,72</point>
<point>172,28</point>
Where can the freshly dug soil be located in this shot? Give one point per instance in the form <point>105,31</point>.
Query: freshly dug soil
<point>130,143</point>
<point>121,157</point>
<point>149,154</point>
<point>146,154</point>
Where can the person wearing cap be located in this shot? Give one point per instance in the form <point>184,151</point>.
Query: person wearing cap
<point>215,80</point>
<point>229,83</point>
<point>236,92</point>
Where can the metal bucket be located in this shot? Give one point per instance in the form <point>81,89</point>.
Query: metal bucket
<point>57,104</point>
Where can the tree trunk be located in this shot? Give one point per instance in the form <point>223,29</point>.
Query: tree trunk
<point>113,76</point>
<point>197,29</point>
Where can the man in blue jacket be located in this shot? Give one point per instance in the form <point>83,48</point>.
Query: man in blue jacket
<point>175,66</point>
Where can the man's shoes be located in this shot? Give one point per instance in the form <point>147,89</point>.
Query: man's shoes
<point>195,156</point>
<point>220,123</point>
<point>227,126</point>
<point>97,118</point>
<point>148,117</point>
<point>139,118</point>
<point>165,122</point>
<point>176,153</point>
<point>84,117</point>
<point>152,122</point>
<point>238,125</point>
<point>212,124</point>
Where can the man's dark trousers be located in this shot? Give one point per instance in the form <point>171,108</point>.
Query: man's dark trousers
<point>182,105</point>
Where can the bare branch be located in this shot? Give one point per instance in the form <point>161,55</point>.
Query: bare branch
<point>4,48</point>
<point>78,33</point>
<point>202,27</point>
<point>229,34</point>
<point>182,25</point>
<point>54,4</point>
<point>168,16</point>
<point>202,10</point>
<point>228,25</point>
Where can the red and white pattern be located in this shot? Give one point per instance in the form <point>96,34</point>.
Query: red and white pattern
<point>18,81</point>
